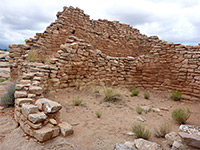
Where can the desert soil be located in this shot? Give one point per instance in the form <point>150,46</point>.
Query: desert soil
<point>92,133</point>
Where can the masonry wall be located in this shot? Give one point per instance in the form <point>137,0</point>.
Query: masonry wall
<point>148,62</point>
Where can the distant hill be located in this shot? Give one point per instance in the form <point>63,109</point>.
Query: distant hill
<point>3,49</point>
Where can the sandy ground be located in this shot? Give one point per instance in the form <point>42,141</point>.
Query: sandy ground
<point>117,117</point>
<point>92,133</point>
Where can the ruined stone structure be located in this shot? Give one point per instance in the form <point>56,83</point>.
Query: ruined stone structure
<point>82,50</point>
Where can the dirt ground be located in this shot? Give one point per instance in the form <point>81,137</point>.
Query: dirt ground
<point>117,117</point>
<point>92,133</point>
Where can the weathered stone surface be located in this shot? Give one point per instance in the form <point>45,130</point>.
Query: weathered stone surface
<point>139,118</point>
<point>38,117</point>
<point>190,139</point>
<point>53,121</point>
<point>171,137</point>
<point>29,109</point>
<point>35,89</point>
<point>142,144</point>
<point>43,134</point>
<point>20,94</point>
<point>122,147</point>
<point>34,126</point>
<point>146,109</point>
<point>178,145</point>
<point>48,106</point>
<point>66,128</point>
<point>190,135</point>
<point>21,101</point>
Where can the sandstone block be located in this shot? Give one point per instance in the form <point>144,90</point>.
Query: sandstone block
<point>35,90</point>
<point>29,109</point>
<point>53,121</point>
<point>34,126</point>
<point>190,135</point>
<point>21,101</point>
<point>43,134</point>
<point>171,137</point>
<point>66,129</point>
<point>21,94</point>
<point>38,117</point>
<point>48,106</point>
<point>122,147</point>
<point>142,144</point>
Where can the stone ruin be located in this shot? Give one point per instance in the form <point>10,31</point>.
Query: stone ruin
<point>77,49</point>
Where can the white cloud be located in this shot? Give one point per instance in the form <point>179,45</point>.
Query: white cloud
<point>172,20</point>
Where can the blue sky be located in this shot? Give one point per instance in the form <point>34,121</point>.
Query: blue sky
<point>172,20</point>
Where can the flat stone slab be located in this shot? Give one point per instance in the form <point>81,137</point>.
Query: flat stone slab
<point>46,133</point>
<point>21,94</point>
<point>29,109</point>
<point>66,128</point>
<point>142,144</point>
<point>190,135</point>
<point>21,101</point>
<point>35,89</point>
<point>38,117</point>
<point>48,106</point>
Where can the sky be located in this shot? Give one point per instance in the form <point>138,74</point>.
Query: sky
<point>171,20</point>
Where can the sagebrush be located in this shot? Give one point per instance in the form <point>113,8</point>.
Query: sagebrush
<point>111,94</point>
<point>181,115</point>
<point>176,95</point>
<point>162,130</point>
<point>146,95</point>
<point>141,132</point>
<point>134,91</point>
<point>77,101</point>
<point>139,110</point>
<point>8,99</point>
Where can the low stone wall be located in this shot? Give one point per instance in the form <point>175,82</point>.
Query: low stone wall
<point>37,116</point>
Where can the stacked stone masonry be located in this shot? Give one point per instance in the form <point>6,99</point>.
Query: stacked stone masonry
<point>83,50</point>
<point>37,116</point>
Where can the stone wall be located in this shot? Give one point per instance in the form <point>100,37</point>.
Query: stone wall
<point>75,49</point>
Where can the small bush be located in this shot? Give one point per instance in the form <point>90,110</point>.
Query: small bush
<point>176,95</point>
<point>8,99</point>
<point>141,132</point>
<point>162,130</point>
<point>77,101</point>
<point>135,92</point>
<point>181,115</point>
<point>132,88</point>
<point>111,94</point>
<point>98,114</point>
<point>146,95</point>
<point>139,110</point>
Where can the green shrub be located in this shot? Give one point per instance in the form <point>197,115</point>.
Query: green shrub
<point>33,56</point>
<point>8,99</point>
<point>111,94</point>
<point>135,93</point>
<point>98,114</point>
<point>146,95</point>
<point>139,110</point>
<point>181,115</point>
<point>162,130</point>
<point>132,88</point>
<point>176,95</point>
<point>77,101</point>
<point>141,132</point>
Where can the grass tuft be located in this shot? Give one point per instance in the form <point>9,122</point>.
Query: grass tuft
<point>8,99</point>
<point>162,130</point>
<point>181,115</point>
<point>111,94</point>
<point>139,110</point>
<point>98,114</point>
<point>146,95</point>
<point>77,101</point>
<point>176,95</point>
<point>141,131</point>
